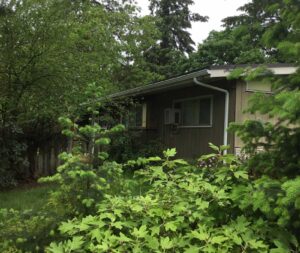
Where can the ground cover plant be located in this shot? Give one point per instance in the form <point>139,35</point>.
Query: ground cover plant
<point>25,197</point>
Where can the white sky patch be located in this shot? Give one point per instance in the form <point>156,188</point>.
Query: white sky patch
<point>216,10</point>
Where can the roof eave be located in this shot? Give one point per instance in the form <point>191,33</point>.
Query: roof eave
<point>162,85</point>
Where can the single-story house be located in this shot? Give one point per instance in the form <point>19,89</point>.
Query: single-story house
<point>189,111</point>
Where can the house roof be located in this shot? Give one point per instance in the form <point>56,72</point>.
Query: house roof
<point>220,71</point>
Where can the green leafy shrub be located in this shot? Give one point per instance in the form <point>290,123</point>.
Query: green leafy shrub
<point>27,230</point>
<point>131,144</point>
<point>13,164</point>
<point>212,208</point>
<point>82,176</point>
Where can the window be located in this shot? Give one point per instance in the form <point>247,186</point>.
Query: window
<point>195,112</point>
<point>137,116</point>
<point>259,86</point>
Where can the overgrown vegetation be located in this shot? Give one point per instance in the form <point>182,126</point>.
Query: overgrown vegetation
<point>222,204</point>
<point>215,206</point>
<point>50,51</point>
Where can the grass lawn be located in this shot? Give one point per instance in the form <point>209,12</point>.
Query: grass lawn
<point>25,197</point>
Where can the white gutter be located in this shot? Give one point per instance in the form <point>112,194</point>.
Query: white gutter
<point>226,122</point>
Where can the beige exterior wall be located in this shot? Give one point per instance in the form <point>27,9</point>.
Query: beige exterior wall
<point>243,95</point>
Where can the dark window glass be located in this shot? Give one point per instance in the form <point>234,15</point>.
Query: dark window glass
<point>139,116</point>
<point>195,112</point>
<point>136,116</point>
<point>205,111</point>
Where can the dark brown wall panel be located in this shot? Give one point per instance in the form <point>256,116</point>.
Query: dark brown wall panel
<point>190,142</point>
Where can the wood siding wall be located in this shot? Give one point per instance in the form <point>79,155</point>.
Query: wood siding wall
<point>190,142</point>
<point>242,102</point>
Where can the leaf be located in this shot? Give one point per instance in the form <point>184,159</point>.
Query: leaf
<point>76,243</point>
<point>158,172</point>
<point>219,239</point>
<point>110,216</point>
<point>103,141</point>
<point>136,208</point>
<point>166,243</point>
<point>155,230</point>
<point>152,242</point>
<point>180,161</point>
<point>103,246</point>
<point>200,235</point>
<point>278,250</point>
<point>55,248</point>
<point>241,174</point>
<point>201,204</point>
<point>170,152</point>
<point>192,249</point>
<point>124,238</point>
<point>237,240</point>
<point>118,224</point>
<point>236,73</point>
<point>171,226</point>
<point>214,147</point>
<point>66,227</point>
<point>141,232</point>
<point>83,227</point>
<point>257,244</point>
<point>154,159</point>
<point>223,147</point>
<point>206,157</point>
<point>96,234</point>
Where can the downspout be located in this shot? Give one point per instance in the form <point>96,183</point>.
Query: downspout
<point>226,122</point>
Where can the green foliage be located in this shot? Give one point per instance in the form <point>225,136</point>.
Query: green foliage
<point>130,145</point>
<point>51,52</point>
<point>12,150</point>
<point>223,204</point>
<point>25,197</point>
<point>26,230</point>
<point>81,176</point>
<point>279,138</point>
<point>265,32</point>
<point>173,19</point>
<point>216,206</point>
<point>211,208</point>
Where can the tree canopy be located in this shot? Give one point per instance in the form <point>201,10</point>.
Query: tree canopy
<point>51,50</point>
<point>251,37</point>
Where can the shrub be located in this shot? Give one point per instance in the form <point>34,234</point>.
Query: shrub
<point>27,230</point>
<point>186,208</point>
<point>82,178</point>
<point>131,144</point>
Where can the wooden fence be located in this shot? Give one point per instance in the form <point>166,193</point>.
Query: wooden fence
<point>46,155</point>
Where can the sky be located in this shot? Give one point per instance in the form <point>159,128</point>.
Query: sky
<point>216,10</point>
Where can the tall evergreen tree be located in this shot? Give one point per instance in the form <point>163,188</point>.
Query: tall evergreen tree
<point>174,18</point>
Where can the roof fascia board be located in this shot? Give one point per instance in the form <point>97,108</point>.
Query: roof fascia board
<point>173,82</point>
<point>285,70</point>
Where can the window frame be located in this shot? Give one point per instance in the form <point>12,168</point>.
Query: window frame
<point>144,117</point>
<point>211,97</point>
<point>249,89</point>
